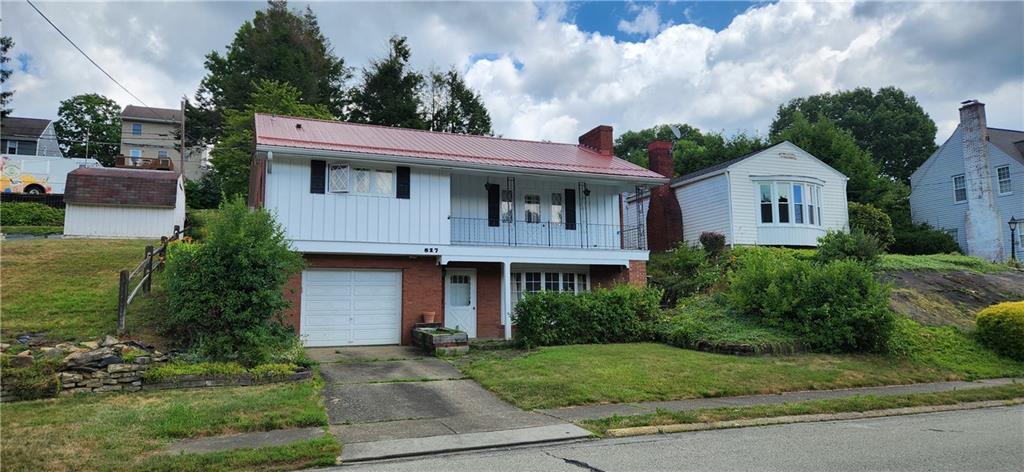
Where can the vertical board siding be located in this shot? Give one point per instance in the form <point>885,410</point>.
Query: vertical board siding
<point>120,222</point>
<point>931,196</point>
<point>422,219</point>
<point>705,207</point>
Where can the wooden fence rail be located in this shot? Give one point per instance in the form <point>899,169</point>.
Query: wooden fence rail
<point>152,261</point>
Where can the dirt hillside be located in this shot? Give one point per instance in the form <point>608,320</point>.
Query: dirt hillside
<point>951,298</point>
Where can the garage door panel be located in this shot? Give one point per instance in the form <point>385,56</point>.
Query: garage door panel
<point>351,307</point>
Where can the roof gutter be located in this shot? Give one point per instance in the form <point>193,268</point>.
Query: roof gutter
<point>437,163</point>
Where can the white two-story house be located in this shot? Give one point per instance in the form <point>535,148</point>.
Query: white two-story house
<point>394,223</point>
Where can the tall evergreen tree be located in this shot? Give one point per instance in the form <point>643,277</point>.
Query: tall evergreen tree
<point>231,157</point>
<point>454,107</point>
<point>6,43</point>
<point>89,125</point>
<point>278,44</point>
<point>390,92</point>
<point>889,124</point>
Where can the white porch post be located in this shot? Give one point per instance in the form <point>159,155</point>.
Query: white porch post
<point>506,298</point>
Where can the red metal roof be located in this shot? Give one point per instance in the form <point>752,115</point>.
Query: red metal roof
<point>276,130</point>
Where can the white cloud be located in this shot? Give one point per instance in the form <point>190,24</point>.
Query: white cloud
<point>545,78</point>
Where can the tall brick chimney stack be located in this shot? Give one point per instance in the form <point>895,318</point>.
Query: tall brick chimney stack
<point>664,217</point>
<point>598,139</point>
<point>983,224</point>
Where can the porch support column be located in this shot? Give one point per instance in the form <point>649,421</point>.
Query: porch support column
<point>506,298</point>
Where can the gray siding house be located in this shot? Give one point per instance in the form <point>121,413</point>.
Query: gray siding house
<point>28,137</point>
<point>972,185</point>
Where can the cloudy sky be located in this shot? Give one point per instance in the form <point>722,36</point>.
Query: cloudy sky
<point>554,70</point>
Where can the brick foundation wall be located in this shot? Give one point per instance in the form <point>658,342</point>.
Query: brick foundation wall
<point>488,298</point>
<point>603,276</point>
<point>422,285</point>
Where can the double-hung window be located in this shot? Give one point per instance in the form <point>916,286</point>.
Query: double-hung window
<point>12,147</point>
<point>136,129</point>
<point>798,204</point>
<point>507,207</point>
<point>1003,178</point>
<point>556,208</point>
<point>783,199</point>
<point>135,153</point>
<point>766,203</point>
<point>959,189</point>
<point>532,208</point>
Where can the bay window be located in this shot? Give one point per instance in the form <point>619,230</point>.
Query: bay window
<point>788,203</point>
<point>783,198</point>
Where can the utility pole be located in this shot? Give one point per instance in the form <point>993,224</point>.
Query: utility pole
<point>181,154</point>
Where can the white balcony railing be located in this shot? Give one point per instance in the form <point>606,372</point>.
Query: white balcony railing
<point>485,232</point>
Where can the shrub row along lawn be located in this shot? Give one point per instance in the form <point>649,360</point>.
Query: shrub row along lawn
<point>559,376</point>
<point>841,405</point>
<point>127,431</point>
<point>65,288</point>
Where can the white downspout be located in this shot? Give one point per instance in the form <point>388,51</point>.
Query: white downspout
<point>506,298</point>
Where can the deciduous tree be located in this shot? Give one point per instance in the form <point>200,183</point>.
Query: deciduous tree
<point>89,125</point>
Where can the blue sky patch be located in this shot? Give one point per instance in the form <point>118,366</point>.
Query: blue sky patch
<point>604,17</point>
<point>24,62</point>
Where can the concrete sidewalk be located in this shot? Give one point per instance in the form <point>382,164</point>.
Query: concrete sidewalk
<point>594,412</point>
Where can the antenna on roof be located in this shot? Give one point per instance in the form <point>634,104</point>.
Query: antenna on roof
<point>675,131</point>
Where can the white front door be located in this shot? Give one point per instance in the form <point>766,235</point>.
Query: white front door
<point>460,300</point>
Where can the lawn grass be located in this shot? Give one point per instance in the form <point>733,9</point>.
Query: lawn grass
<point>65,288</point>
<point>705,323</point>
<point>613,373</point>
<point>839,405</point>
<point>321,452</point>
<point>125,431</point>
<point>32,230</point>
<point>938,262</point>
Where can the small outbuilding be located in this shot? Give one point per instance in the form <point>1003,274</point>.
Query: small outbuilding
<point>105,202</point>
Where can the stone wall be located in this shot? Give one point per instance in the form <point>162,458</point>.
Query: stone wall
<point>125,377</point>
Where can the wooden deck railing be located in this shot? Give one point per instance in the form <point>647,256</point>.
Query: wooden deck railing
<point>151,262</point>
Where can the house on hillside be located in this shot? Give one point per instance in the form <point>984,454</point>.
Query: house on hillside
<point>28,137</point>
<point>106,202</point>
<point>777,196</point>
<point>396,222</point>
<point>972,185</point>
<point>150,138</point>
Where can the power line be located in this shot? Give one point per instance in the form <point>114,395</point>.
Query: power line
<point>84,54</point>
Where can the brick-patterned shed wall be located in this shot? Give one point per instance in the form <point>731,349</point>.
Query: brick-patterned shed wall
<point>422,285</point>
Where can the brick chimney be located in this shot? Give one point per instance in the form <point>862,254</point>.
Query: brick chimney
<point>598,139</point>
<point>983,225</point>
<point>664,216</point>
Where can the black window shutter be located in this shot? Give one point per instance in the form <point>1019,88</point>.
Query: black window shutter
<point>570,208</point>
<point>403,183</point>
<point>317,176</point>
<point>493,205</point>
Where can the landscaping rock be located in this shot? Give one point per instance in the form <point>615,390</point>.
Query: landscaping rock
<point>4,346</point>
<point>90,344</point>
<point>66,347</point>
<point>92,360</point>
<point>53,353</point>
<point>22,360</point>
<point>70,378</point>
<point>118,368</point>
<point>143,360</point>
<point>108,341</point>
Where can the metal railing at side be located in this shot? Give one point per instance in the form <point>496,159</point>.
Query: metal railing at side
<point>152,261</point>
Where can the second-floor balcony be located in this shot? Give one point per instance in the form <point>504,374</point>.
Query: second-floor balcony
<point>486,232</point>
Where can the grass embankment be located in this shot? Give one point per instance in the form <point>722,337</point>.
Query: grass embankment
<point>65,288</point>
<point>127,431</point>
<point>857,403</point>
<point>32,230</point>
<point>938,262</point>
<point>613,373</point>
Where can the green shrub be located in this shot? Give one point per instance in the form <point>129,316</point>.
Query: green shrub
<point>225,295</point>
<point>684,271</point>
<point>713,243</point>
<point>618,315</point>
<point>197,221</point>
<point>705,323</point>
<point>833,307</point>
<point>873,221</point>
<point>204,192</point>
<point>38,380</point>
<point>30,214</point>
<point>1001,327</point>
<point>923,239</point>
<point>859,246</point>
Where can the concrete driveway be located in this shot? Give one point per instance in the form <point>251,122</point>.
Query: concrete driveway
<point>387,394</point>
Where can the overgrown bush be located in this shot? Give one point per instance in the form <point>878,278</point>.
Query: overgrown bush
<point>30,214</point>
<point>859,246</point>
<point>684,271</point>
<point>833,307</point>
<point>38,380</point>
<point>225,295</point>
<point>196,220</point>
<point>713,243</point>
<point>705,323</point>
<point>204,192</point>
<point>618,315</point>
<point>1001,328</point>
<point>922,239</point>
<point>873,221</point>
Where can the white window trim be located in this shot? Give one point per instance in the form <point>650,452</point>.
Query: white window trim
<point>962,176</point>
<point>540,208</point>
<point>350,180</point>
<point>791,204</point>
<point>345,184</point>
<point>520,277</point>
<point>1009,182</point>
<point>8,147</point>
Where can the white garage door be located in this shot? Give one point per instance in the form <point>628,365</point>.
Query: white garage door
<point>351,307</point>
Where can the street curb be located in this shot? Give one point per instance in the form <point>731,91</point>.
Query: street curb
<point>852,415</point>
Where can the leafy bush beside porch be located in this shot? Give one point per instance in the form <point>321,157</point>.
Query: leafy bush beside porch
<point>620,314</point>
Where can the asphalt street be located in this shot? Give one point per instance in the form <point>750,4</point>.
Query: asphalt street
<point>968,440</point>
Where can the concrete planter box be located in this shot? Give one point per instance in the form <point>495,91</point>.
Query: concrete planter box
<point>440,341</point>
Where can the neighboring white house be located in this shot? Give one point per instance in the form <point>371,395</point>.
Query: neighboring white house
<point>103,202</point>
<point>395,222</point>
<point>972,185</point>
<point>778,196</point>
